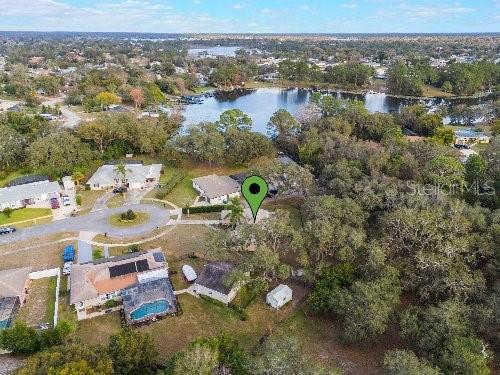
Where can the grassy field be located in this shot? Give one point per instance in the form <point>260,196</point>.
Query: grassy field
<point>140,218</point>
<point>199,318</point>
<point>39,305</point>
<point>117,200</point>
<point>320,339</point>
<point>291,205</point>
<point>4,180</point>
<point>88,199</point>
<point>24,214</point>
<point>184,194</point>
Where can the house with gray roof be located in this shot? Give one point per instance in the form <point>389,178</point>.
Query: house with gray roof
<point>216,189</point>
<point>20,196</point>
<point>137,176</point>
<point>213,282</point>
<point>13,289</point>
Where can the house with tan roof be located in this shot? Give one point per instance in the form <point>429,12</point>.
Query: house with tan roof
<point>216,189</point>
<point>13,289</point>
<point>93,284</point>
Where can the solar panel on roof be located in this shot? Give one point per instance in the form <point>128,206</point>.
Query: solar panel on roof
<point>159,257</point>
<point>142,265</point>
<point>122,269</point>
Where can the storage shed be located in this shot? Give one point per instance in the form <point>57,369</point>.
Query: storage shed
<point>279,296</point>
<point>189,273</point>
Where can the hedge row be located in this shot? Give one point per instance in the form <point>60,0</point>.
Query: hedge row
<point>204,209</point>
<point>170,185</point>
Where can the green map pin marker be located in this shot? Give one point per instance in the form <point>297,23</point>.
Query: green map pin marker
<point>254,190</point>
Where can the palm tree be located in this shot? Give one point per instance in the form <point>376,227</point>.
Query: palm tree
<point>236,208</point>
<point>122,170</point>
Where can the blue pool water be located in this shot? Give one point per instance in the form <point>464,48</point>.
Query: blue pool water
<point>150,309</point>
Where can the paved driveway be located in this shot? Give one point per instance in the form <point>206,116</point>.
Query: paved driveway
<point>71,119</point>
<point>95,222</point>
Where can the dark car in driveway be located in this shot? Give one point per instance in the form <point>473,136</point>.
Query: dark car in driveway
<point>7,230</point>
<point>120,190</point>
<point>54,203</point>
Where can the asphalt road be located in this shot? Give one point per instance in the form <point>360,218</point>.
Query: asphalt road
<point>94,222</point>
<point>71,119</point>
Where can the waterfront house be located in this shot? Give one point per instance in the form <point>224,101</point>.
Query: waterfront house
<point>216,189</point>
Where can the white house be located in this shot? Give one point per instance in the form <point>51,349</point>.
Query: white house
<point>137,176</point>
<point>279,296</point>
<point>20,196</point>
<point>216,189</point>
<point>93,284</point>
<point>212,282</point>
<point>470,137</point>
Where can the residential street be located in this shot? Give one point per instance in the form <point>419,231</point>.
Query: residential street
<point>71,119</point>
<point>95,222</point>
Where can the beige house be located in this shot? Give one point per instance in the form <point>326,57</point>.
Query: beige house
<point>94,284</point>
<point>15,283</point>
<point>137,176</point>
<point>216,189</point>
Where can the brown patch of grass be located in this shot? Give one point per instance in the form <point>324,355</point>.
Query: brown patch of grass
<point>98,330</point>
<point>37,308</point>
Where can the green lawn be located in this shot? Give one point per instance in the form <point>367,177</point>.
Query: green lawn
<point>141,218</point>
<point>184,194</point>
<point>116,200</point>
<point>24,214</point>
<point>4,180</point>
<point>292,205</point>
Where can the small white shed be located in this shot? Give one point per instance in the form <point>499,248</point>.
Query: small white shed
<point>68,183</point>
<point>189,273</point>
<point>279,296</point>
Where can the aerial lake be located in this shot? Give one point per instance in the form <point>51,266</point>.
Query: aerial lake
<point>260,104</point>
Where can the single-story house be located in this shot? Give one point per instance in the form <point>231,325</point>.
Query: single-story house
<point>212,282</point>
<point>14,282</point>
<point>94,284</point>
<point>137,176</point>
<point>279,296</point>
<point>470,137</point>
<point>216,189</point>
<point>14,285</point>
<point>20,196</point>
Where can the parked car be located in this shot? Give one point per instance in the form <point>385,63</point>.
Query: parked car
<point>67,268</point>
<point>120,190</point>
<point>66,201</point>
<point>7,230</point>
<point>54,203</point>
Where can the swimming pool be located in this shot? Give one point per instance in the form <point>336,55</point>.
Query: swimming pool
<point>150,309</point>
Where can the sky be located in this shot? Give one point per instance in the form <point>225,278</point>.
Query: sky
<point>252,16</point>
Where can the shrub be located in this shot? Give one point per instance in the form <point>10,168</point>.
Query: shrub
<point>170,185</point>
<point>8,212</point>
<point>78,199</point>
<point>134,248</point>
<point>204,209</point>
<point>129,215</point>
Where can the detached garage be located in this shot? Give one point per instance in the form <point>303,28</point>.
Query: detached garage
<point>279,296</point>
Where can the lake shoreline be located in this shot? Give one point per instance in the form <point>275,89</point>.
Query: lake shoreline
<point>361,91</point>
